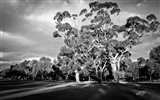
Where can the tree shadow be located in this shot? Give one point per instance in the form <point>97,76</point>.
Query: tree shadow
<point>91,91</point>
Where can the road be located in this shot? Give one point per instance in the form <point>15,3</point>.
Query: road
<point>37,90</point>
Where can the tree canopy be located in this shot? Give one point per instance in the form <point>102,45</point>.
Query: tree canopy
<point>155,54</point>
<point>96,39</point>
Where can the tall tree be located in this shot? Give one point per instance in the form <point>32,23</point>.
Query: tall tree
<point>45,66</point>
<point>150,68</point>
<point>39,67</point>
<point>154,58</point>
<point>33,66</point>
<point>141,61</point>
<point>96,30</point>
<point>155,54</point>
<point>133,70</point>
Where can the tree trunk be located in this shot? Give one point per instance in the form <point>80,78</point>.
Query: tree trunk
<point>42,77</point>
<point>114,71</point>
<point>150,78</point>
<point>94,64</point>
<point>102,70</point>
<point>66,78</point>
<point>89,78</point>
<point>118,68</point>
<point>77,76</point>
<point>101,74</point>
<point>151,75</point>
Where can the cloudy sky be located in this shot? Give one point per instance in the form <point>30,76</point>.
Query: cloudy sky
<point>27,26</point>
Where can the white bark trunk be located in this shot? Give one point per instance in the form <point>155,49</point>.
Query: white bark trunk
<point>103,69</point>
<point>77,76</point>
<point>89,78</point>
<point>94,65</point>
<point>114,66</point>
<point>118,67</point>
<point>114,71</point>
<point>66,78</point>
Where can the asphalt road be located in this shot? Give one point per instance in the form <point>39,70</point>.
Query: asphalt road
<point>30,90</point>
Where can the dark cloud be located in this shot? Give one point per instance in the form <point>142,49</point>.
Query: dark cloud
<point>14,24</point>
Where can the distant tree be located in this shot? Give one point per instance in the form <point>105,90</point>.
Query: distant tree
<point>147,68</point>
<point>143,68</point>
<point>155,54</point>
<point>154,60</point>
<point>38,67</point>
<point>45,66</point>
<point>20,68</point>
<point>15,75</point>
<point>96,30</point>
<point>4,72</point>
<point>151,68</point>
<point>141,61</point>
<point>57,71</point>
<point>41,68</point>
<point>131,71</point>
<point>33,66</point>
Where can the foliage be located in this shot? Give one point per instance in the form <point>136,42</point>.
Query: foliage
<point>155,54</point>
<point>154,57</point>
<point>149,68</point>
<point>97,40</point>
<point>141,61</point>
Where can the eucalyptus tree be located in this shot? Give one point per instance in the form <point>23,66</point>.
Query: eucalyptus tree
<point>45,67</point>
<point>33,66</point>
<point>141,61</point>
<point>21,69</point>
<point>154,61</point>
<point>3,73</point>
<point>40,67</point>
<point>133,71</point>
<point>96,30</point>
<point>155,54</point>
<point>151,68</point>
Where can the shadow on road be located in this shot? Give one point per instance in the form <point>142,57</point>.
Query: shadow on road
<point>79,91</point>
